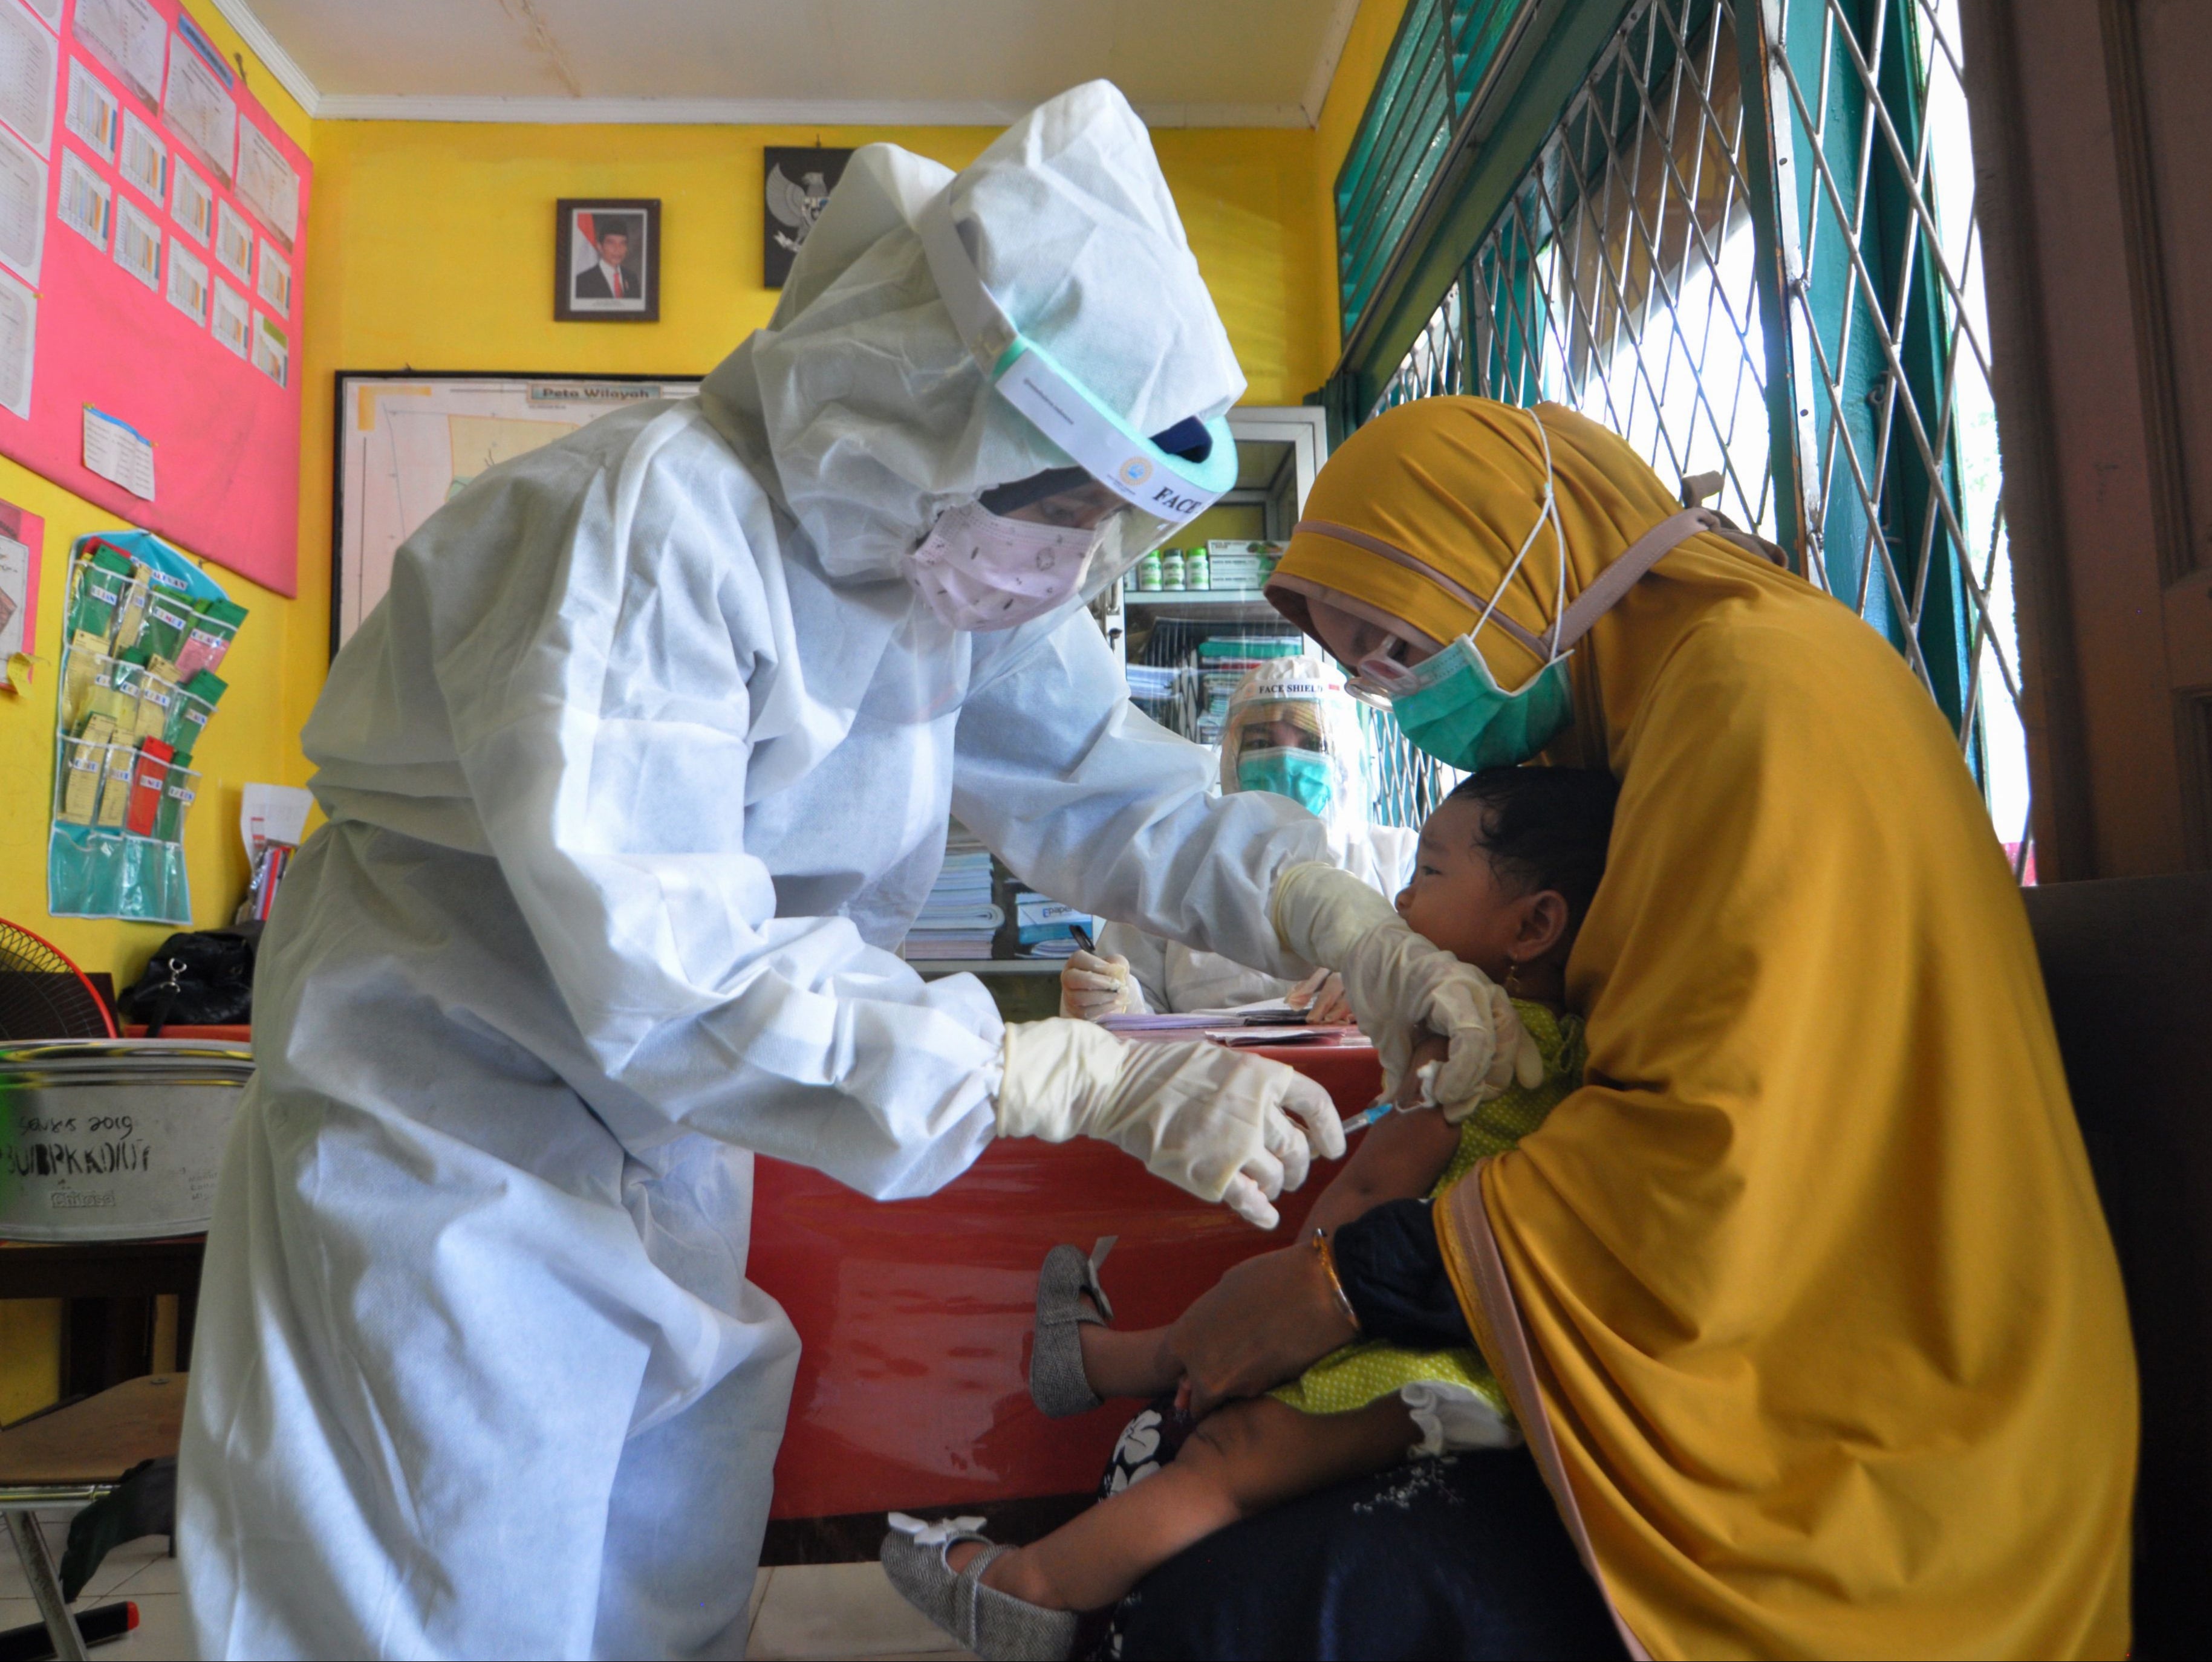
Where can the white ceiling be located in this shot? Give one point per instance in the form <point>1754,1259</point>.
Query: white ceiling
<point>1182,63</point>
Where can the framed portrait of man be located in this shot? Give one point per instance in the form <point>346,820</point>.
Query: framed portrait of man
<point>606,261</point>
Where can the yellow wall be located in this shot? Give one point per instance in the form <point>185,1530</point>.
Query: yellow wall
<point>462,276</point>
<point>431,247</point>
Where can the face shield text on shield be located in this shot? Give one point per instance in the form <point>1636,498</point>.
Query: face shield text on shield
<point>975,573</point>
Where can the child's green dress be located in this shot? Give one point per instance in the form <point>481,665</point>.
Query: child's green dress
<point>1454,1396</point>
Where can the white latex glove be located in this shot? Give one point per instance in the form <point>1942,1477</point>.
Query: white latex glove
<point>1399,983</point>
<point>1321,995</point>
<point>1223,1126</point>
<point>1092,986</point>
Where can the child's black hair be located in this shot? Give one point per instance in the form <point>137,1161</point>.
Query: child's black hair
<point>1547,826</point>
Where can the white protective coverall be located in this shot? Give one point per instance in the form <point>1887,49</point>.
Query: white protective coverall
<point>1302,696</point>
<point>1174,977</point>
<point>632,782</point>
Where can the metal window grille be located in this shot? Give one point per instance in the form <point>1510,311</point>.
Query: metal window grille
<point>1442,51</point>
<point>1623,278</point>
<point>1894,456</point>
<point>1618,279</point>
<point>1407,784</point>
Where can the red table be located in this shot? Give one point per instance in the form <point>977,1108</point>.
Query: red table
<point>916,1314</point>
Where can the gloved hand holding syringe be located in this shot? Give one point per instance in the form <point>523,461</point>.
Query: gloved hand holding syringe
<point>1416,1090</point>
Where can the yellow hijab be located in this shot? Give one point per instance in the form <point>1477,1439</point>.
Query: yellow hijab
<point>1816,1293</point>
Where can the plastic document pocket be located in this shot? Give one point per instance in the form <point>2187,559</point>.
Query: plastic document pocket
<point>145,632</point>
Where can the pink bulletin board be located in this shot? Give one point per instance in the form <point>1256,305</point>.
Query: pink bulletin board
<point>162,285</point>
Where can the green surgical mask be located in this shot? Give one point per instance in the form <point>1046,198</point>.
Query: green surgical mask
<point>1453,709</point>
<point>1450,706</point>
<point>1301,775</point>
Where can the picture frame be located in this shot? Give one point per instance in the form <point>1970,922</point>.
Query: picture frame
<point>607,259</point>
<point>407,441</point>
<point>795,185</point>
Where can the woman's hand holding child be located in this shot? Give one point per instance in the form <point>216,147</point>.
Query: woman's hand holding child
<point>1507,863</point>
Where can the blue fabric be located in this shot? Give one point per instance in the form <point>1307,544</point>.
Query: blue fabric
<point>1394,1277</point>
<point>1463,1556</point>
<point>1187,439</point>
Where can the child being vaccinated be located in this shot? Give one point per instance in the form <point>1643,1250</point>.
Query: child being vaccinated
<point>1505,869</point>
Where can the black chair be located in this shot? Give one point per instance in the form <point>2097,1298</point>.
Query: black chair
<point>2129,964</point>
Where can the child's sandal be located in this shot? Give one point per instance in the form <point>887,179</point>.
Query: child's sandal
<point>1057,1383</point>
<point>994,1625</point>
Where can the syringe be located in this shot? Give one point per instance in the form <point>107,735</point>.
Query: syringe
<point>1368,1116</point>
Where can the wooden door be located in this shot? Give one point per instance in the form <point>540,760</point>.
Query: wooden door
<point>2093,140</point>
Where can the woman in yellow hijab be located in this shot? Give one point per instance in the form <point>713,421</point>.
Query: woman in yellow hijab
<point>1805,1300</point>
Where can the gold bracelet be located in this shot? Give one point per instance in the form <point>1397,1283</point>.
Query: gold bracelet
<point>1323,1250</point>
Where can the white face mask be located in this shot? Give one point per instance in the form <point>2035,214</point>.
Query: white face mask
<point>981,571</point>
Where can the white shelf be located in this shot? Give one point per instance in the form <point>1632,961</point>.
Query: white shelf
<point>986,966</point>
<point>1135,596</point>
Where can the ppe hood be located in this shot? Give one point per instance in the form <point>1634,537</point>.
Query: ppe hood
<point>864,394</point>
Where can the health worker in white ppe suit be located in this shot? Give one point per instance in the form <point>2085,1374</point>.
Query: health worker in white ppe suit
<point>633,781</point>
<point>1291,728</point>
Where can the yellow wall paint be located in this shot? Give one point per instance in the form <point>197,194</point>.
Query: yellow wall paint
<point>30,1356</point>
<point>461,275</point>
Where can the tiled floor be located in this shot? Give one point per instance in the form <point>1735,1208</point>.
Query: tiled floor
<point>140,1571</point>
<point>812,1610</point>
<point>840,1609</point>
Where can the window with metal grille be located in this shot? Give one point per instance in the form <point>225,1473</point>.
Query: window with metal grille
<point>1890,460</point>
<point>1752,255</point>
<point>1443,50</point>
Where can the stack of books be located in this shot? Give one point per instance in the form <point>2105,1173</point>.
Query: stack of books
<point>959,917</point>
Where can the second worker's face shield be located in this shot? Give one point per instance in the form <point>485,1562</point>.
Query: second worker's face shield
<point>1134,492</point>
<point>1291,729</point>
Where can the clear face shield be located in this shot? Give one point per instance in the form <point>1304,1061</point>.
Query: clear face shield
<point>1291,729</point>
<point>1125,492</point>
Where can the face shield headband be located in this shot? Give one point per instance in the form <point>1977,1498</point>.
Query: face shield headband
<point>1162,491</point>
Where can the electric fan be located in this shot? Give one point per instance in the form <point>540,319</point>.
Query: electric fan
<point>43,995</point>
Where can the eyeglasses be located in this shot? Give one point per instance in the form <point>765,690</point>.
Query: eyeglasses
<point>1380,677</point>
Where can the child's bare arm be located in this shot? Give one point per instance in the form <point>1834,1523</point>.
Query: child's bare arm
<point>1401,1158</point>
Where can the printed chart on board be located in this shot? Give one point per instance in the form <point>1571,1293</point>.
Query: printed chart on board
<point>153,220</point>
<point>407,444</point>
